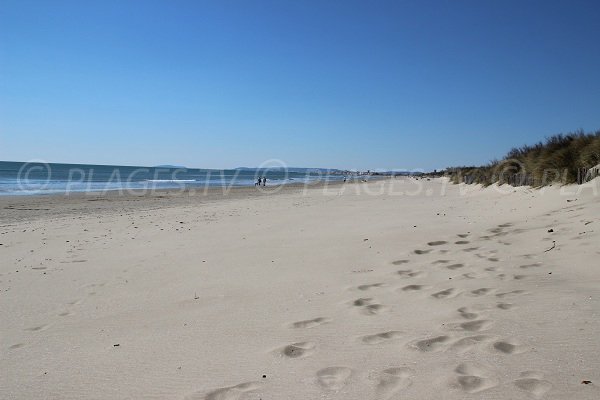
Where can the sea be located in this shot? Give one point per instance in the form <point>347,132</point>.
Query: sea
<point>38,178</point>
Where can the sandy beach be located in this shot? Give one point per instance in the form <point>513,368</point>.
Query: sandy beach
<point>393,289</point>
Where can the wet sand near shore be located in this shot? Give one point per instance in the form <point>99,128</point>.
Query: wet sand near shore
<point>29,207</point>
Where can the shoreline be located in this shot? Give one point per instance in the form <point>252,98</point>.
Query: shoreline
<point>31,207</point>
<point>34,207</point>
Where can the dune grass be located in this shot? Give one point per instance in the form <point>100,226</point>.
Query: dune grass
<point>560,158</point>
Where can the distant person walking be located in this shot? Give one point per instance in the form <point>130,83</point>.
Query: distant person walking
<point>257,182</point>
<point>264,181</point>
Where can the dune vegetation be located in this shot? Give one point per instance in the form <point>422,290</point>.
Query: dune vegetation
<point>564,158</point>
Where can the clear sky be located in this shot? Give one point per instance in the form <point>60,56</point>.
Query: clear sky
<point>347,84</point>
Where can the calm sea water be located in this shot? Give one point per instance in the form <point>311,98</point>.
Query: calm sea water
<point>18,178</point>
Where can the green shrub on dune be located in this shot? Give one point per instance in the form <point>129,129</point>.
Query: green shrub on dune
<point>561,158</point>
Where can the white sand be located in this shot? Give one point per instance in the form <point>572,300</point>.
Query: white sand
<point>289,287</point>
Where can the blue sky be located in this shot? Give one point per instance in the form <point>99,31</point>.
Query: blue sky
<point>347,84</point>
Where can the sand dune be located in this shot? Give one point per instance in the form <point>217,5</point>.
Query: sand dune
<point>346,292</point>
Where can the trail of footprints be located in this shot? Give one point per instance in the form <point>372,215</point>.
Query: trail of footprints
<point>468,377</point>
<point>65,312</point>
<point>388,382</point>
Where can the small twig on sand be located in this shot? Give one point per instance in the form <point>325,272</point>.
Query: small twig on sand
<point>553,246</point>
<point>196,296</point>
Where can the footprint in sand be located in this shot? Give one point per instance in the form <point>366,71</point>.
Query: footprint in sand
<point>534,265</point>
<point>226,393</point>
<point>298,350</point>
<point>511,293</point>
<point>370,286</point>
<point>480,292</point>
<point>392,380</point>
<point>368,306</point>
<point>310,323</point>
<point>374,309</point>
<point>455,266</point>
<point>414,288</point>
<point>463,235</point>
<point>16,346</point>
<point>471,326</point>
<point>473,378</point>
<point>445,294</point>
<point>467,343</point>
<point>333,378</point>
<point>437,243</point>
<point>38,328</point>
<point>470,249</point>
<point>533,383</point>
<point>65,314</point>
<point>400,262</point>
<point>382,337</point>
<point>462,242</point>
<point>505,306</point>
<point>433,344</point>
<point>509,346</point>
<point>466,314</point>
<point>494,259</point>
<point>420,252</point>
<point>363,301</point>
<point>475,326</point>
<point>441,261</point>
<point>409,273</point>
